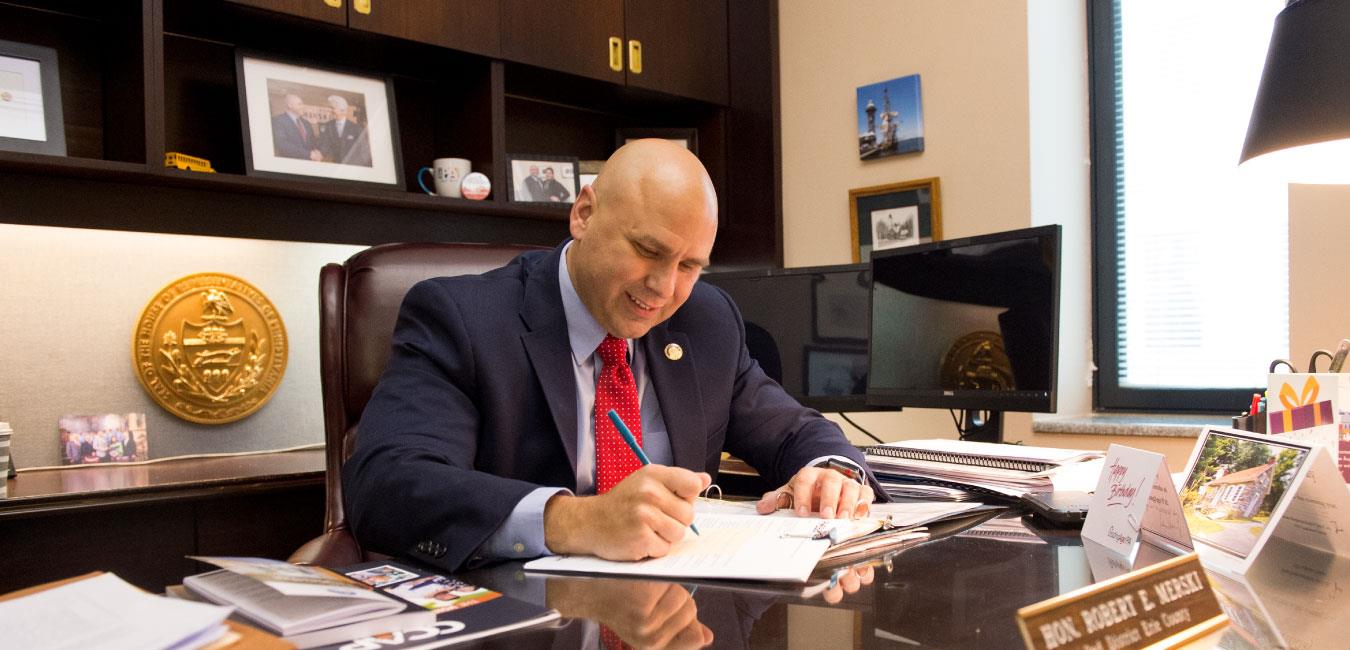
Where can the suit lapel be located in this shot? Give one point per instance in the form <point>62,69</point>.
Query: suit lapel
<point>677,391</point>
<point>549,351</point>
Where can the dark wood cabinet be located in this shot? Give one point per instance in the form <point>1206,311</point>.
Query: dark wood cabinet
<point>468,25</point>
<point>478,79</point>
<point>574,36</point>
<point>329,11</point>
<point>683,46</point>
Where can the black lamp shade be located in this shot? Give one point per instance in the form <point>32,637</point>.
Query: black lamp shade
<point>1304,97</point>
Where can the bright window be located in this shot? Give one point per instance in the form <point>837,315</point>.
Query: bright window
<point>1191,253</point>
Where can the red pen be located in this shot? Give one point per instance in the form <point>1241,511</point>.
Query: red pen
<point>1256,403</point>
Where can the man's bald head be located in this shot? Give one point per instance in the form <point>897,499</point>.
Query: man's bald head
<point>656,171</point>
<point>642,233</point>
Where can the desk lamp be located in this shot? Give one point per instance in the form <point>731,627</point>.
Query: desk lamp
<point>1300,123</point>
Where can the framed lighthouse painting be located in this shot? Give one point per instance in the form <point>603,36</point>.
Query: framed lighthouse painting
<point>890,118</point>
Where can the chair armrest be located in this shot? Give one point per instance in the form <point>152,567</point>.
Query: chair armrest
<point>333,549</point>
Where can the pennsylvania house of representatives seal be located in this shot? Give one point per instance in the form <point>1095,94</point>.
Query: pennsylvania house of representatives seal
<point>210,348</point>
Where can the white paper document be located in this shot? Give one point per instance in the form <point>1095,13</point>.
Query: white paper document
<point>105,613</point>
<point>730,546</point>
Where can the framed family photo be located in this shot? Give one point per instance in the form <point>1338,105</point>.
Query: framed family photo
<point>894,215</point>
<point>301,121</point>
<point>685,137</point>
<point>542,179</point>
<point>31,119</point>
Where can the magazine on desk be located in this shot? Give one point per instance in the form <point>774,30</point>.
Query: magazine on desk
<point>366,606</point>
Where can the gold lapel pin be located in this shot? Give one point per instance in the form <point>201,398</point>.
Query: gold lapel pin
<point>674,352</point>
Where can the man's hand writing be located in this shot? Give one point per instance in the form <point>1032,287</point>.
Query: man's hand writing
<point>819,491</point>
<point>643,516</point>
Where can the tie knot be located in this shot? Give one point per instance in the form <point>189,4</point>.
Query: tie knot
<point>613,352</point>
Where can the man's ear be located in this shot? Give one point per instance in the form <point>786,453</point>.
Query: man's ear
<point>582,211</point>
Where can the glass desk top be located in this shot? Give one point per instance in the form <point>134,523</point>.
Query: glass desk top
<point>961,590</point>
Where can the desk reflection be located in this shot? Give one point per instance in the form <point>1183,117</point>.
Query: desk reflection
<point>962,589</point>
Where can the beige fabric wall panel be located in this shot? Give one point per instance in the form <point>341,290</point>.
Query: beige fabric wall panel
<point>70,298</point>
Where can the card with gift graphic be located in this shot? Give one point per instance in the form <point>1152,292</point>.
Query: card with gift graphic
<point>1241,490</point>
<point>1135,501</point>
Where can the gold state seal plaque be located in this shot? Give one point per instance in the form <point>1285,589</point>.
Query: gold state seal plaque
<point>210,348</point>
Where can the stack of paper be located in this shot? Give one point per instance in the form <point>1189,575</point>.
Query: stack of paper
<point>1005,470</point>
<point>738,543</point>
<point>106,613</point>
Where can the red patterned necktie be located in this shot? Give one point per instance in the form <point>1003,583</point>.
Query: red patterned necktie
<point>616,390</point>
<point>304,132</point>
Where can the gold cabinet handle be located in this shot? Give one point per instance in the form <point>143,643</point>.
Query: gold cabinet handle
<point>336,4</point>
<point>361,6</point>
<point>634,56</point>
<point>616,54</point>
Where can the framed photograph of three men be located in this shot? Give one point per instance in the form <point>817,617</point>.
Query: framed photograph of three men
<point>301,121</point>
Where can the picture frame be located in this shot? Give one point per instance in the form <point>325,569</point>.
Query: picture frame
<point>686,137</point>
<point>890,118</point>
<point>317,123</point>
<point>102,438</point>
<point>834,371</point>
<point>894,215</point>
<point>31,117</point>
<point>540,179</point>
<point>835,303</point>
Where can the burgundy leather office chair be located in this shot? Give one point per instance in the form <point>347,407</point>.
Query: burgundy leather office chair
<point>358,305</point>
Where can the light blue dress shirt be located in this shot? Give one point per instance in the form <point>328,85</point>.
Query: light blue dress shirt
<point>522,534</point>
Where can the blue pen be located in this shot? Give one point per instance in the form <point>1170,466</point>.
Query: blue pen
<point>632,444</point>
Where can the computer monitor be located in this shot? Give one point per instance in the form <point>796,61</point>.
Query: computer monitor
<point>807,327</point>
<point>969,324</point>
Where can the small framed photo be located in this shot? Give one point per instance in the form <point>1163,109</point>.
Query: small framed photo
<point>301,121</point>
<point>31,119</point>
<point>543,179</point>
<point>106,438</point>
<point>685,137</point>
<point>382,575</point>
<point>830,371</point>
<point>890,118</point>
<point>839,306</point>
<point>894,215</point>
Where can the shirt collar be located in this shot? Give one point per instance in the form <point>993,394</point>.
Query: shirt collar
<point>583,331</point>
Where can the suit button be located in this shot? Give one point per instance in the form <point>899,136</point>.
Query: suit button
<point>519,548</point>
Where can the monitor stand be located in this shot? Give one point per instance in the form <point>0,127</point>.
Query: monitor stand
<point>981,426</point>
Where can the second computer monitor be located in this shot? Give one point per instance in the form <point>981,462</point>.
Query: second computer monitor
<point>968,324</point>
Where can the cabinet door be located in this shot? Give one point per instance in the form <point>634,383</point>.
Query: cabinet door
<point>468,25</point>
<point>312,9</point>
<point>684,46</point>
<point>567,35</point>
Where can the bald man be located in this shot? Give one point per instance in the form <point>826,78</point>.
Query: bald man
<point>487,436</point>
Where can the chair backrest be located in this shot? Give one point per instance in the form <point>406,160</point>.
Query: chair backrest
<point>358,306</point>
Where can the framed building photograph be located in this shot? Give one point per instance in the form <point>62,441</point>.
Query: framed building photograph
<point>31,119</point>
<point>1235,486</point>
<point>890,118</point>
<point>542,179</point>
<point>300,121</point>
<point>894,215</point>
<point>685,137</point>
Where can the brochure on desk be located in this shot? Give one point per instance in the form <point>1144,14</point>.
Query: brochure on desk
<point>464,611</point>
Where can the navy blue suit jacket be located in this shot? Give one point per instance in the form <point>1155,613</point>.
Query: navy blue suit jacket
<point>478,407</point>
